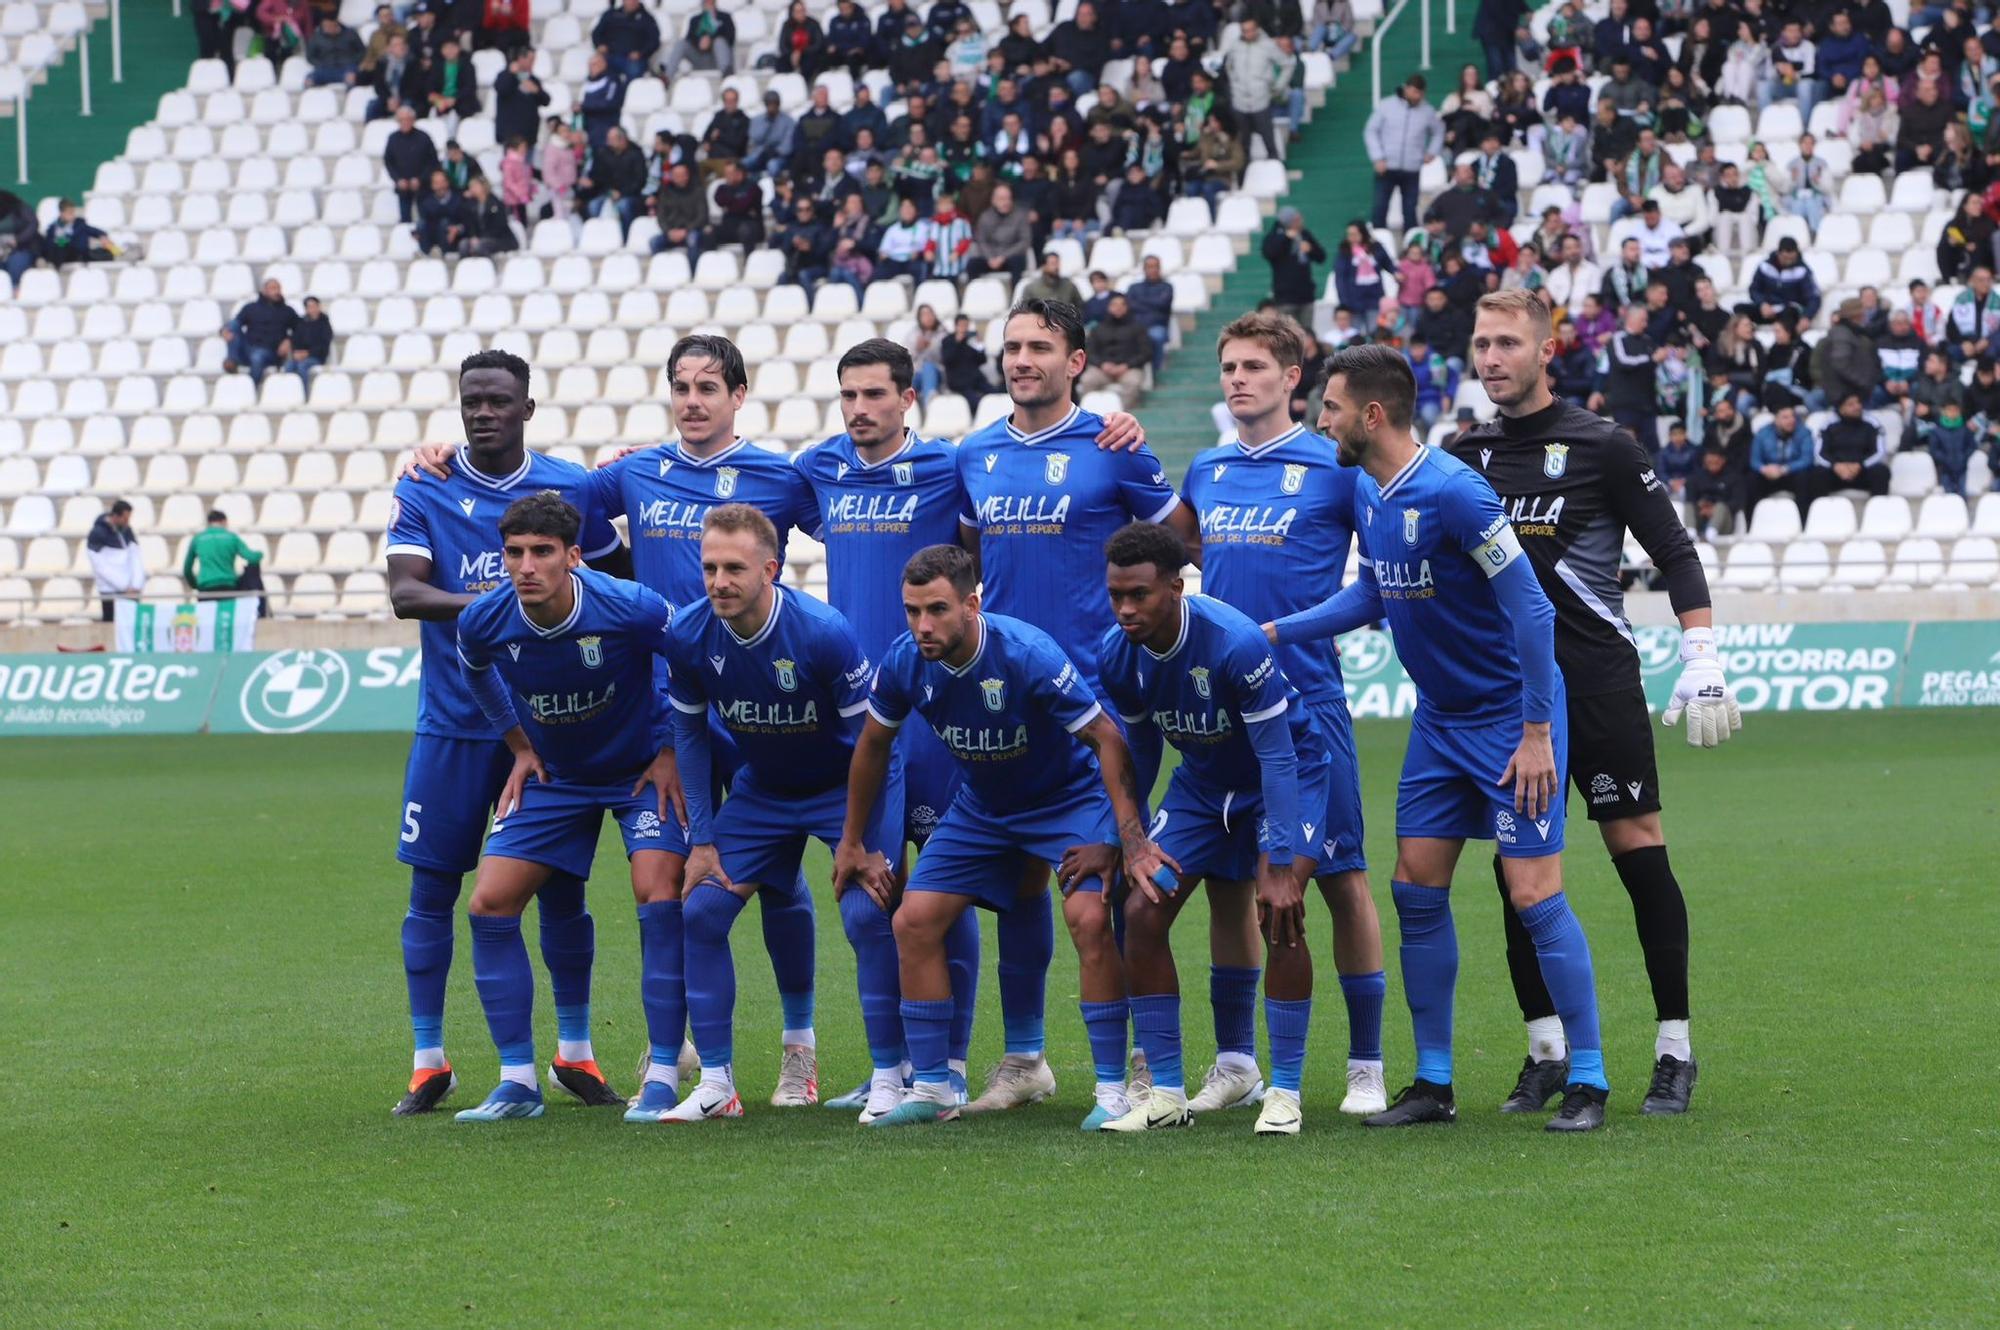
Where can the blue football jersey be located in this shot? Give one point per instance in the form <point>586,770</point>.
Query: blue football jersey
<point>1220,677</point>
<point>872,517</point>
<point>455,523</point>
<point>791,697</point>
<point>1276,524</point>
<point>1008,717</point>
<point>1432,538</point>
<point>665,496</point>
<point>1044,504</point>
<point>583,690</point>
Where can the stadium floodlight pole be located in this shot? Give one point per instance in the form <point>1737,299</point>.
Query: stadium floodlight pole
<point>83,65</point>
<point>1375,47</point>
<point>118,39</point>
<point>1425,29</point>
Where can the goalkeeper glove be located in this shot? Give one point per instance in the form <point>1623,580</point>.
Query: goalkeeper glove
<point>1712,713</point>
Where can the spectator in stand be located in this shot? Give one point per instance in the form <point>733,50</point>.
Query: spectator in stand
<point>1844,362</point>
<point>1000,238</point>
<point>1967,240</point>
<point>1137,207</point>
<point>926,347</point>
<point>727,138</point>
<point>807,244</point>
<point>948,240</point>
<point>1631,378</point>
<point>1359,266</point>
<point>1258,72</point>
<point>914,55</point>
<point>1950,442</point>
<point>210,567</point>
<point>1574,279</point>
<point>1152,301</point>
<point>399,80</point>
<point>1402,134</point>
<point>562,163</point>
<point>900,251</point>
<point>800,41</point>
<point>1715,494</point>
<point>1048,283</point>
<point>1218,162</point>
<point>1292,250</point>
<point>816,131</point>
<point>1465,111</point>
<point>850,39</point>
<point>1900,353</point>
<point>707,45</point>
<point>453,87</point>
<point>70,239</point>
<point>1683,204</point>
<point>518,99</point>
<point>1494,27</point>
<point>517,180</point>
<point>1494,172</point>
<point>458,168</point>
<point>1332,29</point>
<point>1853,454</point>
<point>1784,288</point>
<point>260,335</point>
<point>1436,376</point>
<point>1461,205</point>
<point>681,208</point>
<point>281,26</point>
<point>853,245</point>
<point>487,231</point>
<point>116,564</point>
<point>333,53</point>
<point>1656,235</point>
<point>1729,430</point>
<point>964,359</point>
<point>1079,49</point>
<point>386,27</point>
<point>1781,459</point>
<point>1974,320</point>
<point>1118,353</point>
<point>628,37</point>
<point>772,136</point>
<point>603,101</point>
<point>1737,217</point>
<point>1934,390</point>
<point>440,217</point>
<point>1445,327</point>
<point>312,342</point>
<point>1920,133</point>
<point>616,179</point>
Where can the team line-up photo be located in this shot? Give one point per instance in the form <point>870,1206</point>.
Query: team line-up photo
<point>977,714</point>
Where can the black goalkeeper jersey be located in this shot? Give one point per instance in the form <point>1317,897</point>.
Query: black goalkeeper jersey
<point>1573,483</point>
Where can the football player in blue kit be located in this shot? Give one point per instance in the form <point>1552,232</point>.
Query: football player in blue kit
<point>1488,745</point>
<point>1041,500</point>
<point>788,680</point>
<point>443,551</point>
<point>562,659</point>
<point>1017,716</point>
<point>1242,807</point>
<point>1277,521</point>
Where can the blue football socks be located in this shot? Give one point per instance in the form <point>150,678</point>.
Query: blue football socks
<point>961,956</point>
<point>1565,959</point>
<point>569,945</point>
<point>662,981</point>
<point>708,913</point>
<point>1364,994</point>
<point>790,936</point>
<point>427,952</point>
<point>506,986</point>
<point>927,1028</point>
<point>1288,1023</point>
<point>1232,993</point>
<point>1157,1020</point>
<point>1106,1023</point>
<point>877,975</point>
<point>1027,949</point>
<point>1430,973</point>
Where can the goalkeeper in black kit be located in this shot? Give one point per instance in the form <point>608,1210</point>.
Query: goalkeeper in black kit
<point>1573,483</point>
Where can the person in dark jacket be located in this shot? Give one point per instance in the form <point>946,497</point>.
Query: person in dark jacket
<point>399,79</point>
<point>1138,206</point>
<point>1152,300</point>
<point>453,88</point>
<point>70,239</point>
<point>863,115</point>
<point>1461,205</point>
<point>487,231</point>
<point>1079,49</point>
<point>116,565</point>
<point>1493,27</point>
<point>312,342</point>
<point>1445,327</point>
<point>616,179</point>
<point>629,37</point>
<point>964,360</point>
<point>1358,268</point>
<point>333,52</point>
<point>914,56</point>
<point>807,244</point>
<point>1853,454</point>
<point>410,157</point>
<point>260,335</point>
<point>1292,250</point>
<point>682,210</point>
<point>518,99</point>
<point>708,43</point>
<point>1715,494</point>
<point>1631,378</point>
<point>1783,288</point>
<point>850,39</point>
<point>603,100</point>
<point>727,137</point>
<point>440,216</point>
<point>741,205</point>
<point>942,21</point>
<point>801,42</point>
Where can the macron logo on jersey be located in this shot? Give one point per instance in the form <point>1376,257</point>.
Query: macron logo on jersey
<point>468,505</point>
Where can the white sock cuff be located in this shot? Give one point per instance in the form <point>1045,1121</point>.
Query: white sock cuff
<point>804,1038</point>
<point>1546,1041</point>
<point>1240,1062</point>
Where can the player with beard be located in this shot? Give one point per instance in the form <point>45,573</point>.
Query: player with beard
<point>1573,483</point>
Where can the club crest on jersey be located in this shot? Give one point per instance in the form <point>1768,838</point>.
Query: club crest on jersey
<point>1555,460</point>
<point>788,674</point>
<point>1410,526</point>
<point>592,649</point>
<point>1055,467</point>
<point>1294,478</point>
<point>994,693</point>
<point>905,472</point>
<point>1200,676</point>
<point>725,481</point>
<point>468,505</point>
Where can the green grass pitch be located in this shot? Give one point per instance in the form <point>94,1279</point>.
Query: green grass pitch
<point>202,996</point>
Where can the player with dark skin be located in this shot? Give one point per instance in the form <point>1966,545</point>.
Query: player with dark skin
<point>495,410</point>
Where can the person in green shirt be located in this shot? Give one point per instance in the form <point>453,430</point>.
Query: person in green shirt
<point>211,557</point>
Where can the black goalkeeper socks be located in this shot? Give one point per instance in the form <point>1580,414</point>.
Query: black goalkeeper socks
<point>1661,913</point>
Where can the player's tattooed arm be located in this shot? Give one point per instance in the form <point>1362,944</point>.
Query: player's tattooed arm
<point>412,596</point>
<point>1146,864</point>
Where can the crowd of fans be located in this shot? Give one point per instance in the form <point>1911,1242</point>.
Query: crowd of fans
<point>1642,332</point>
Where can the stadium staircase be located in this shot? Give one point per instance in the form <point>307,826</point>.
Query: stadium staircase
<point>1332,182</point>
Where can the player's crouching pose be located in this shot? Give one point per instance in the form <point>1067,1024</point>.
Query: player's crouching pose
<point>1489,743</point>
<point>1252,763</point>
<point>1022,724</point>
<point>788,682</point>
<point>563,658</point>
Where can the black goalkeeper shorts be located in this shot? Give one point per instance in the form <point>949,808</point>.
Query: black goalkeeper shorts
<point>1611,754</point>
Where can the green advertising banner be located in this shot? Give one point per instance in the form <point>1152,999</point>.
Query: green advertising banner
<point>1788,666</point>
<point>292,692</point>
<point>1953,665</point>
<point>104,694</point>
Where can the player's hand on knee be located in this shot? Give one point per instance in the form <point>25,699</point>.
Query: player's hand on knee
<point>664,775</point>
<point>1149,867</point>
<point>1532,771</point>
<point>1281,904</point>
<point>705,865</point>
<point>429,459</point>
<point>527,762</point>
<point>1080,863</point>
<point>852,864</point>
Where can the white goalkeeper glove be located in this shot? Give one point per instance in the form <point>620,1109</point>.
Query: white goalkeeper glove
<point>1712,713</point>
